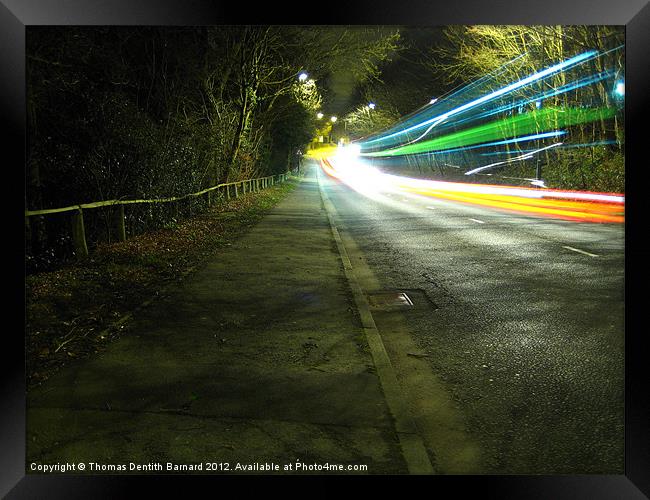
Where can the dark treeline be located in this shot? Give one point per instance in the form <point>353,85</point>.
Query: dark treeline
<point>146,112</point>
<point>122,112</point>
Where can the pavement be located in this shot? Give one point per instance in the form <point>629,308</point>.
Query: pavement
<point>258,359</point>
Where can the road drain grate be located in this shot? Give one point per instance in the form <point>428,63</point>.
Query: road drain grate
<point>389,299</point>
<point>399,299</point>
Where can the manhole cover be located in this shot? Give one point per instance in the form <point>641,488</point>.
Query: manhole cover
<point>389,299</point>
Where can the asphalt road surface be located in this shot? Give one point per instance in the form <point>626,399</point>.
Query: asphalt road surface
<point>520,317</point>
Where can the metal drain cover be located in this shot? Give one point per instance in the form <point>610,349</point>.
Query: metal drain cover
<point>389,299</point>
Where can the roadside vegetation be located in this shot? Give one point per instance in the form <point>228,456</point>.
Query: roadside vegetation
<point>76,310</point>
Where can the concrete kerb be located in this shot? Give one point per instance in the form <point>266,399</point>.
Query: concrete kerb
<point>411,442</point>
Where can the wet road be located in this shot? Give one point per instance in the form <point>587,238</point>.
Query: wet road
<point>525,327</point>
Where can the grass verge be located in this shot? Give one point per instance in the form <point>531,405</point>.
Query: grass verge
<point>71,313</point>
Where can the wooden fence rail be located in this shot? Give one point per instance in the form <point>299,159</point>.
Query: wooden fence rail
<point>78,230</point>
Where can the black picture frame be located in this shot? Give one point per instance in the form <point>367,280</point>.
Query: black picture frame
<point>15,15</point>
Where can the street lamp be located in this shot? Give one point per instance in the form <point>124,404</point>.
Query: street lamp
<point>333,119</point>
<point>619,89</point>
<point>371,105</point>
<point>303,76</point>
<point>319,115</point>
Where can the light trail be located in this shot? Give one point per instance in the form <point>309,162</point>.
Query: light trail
<point>463,132</point>
<point>493,95</point>
<point>511,114</point>
<point>536,98</point>
<point>568,205</point>
<point>527,123</point>
<point>443,101</point>
<point>525,156</point>
<point>563,146</point>
<point>555,133</point>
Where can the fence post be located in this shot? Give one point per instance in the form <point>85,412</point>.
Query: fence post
<point>236,193</point>
<point>28,236</point>
<point>79,234</point>
<point>209,199</point>
<point>118,220</point>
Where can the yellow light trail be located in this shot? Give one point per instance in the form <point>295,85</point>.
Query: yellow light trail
<point>567,205</point>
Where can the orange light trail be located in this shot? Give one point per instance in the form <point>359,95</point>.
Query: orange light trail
<point>567,205</point>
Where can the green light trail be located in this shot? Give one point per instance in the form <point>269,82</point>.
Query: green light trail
<point>531,122</point>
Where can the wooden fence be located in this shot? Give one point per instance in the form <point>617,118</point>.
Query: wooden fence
<point>230,190</point>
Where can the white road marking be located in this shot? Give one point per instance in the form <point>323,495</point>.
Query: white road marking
<point>580,251</point>
<point>476,220</point>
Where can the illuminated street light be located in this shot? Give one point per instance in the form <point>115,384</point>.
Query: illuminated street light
<point>333,119</point>
<point>319,115</point>
<point>619,89</point>
<point>303,76</point>
<point>371,105</point>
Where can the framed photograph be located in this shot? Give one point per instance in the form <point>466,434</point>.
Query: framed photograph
<point>373,239</point>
